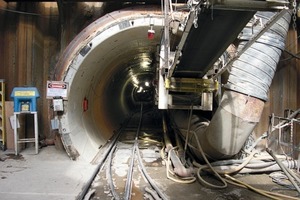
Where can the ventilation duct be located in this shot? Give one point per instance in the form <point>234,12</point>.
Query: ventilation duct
<point>246,91</point>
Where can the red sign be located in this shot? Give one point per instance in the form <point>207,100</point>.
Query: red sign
<point>57,89</point>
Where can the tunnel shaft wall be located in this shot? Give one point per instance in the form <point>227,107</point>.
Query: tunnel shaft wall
<point>103,65</point>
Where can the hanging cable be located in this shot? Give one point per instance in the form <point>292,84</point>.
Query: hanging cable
<point>188,131</point>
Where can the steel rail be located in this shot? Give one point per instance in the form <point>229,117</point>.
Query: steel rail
<point>107,158</point>
<point>112,144</point>
<point>128,185</point>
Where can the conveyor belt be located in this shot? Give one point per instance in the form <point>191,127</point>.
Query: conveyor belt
<point>217,29</point>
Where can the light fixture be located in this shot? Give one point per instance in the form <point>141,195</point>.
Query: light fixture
<point>151,32</point>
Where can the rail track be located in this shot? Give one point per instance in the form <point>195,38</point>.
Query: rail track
<point>121,172</point>
<point>124,171</point>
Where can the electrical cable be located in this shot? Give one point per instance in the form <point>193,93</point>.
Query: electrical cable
<point>252,188</point>
<point>158,194</point>
<point>235,169</point>
<point>210,167</point>
<point>256,162</point>
<point>188,131</point>
<point>152,193</point>
<point>287,172</point>
<point>185,180</point>
<point>267,192</point>
<point>109,175</point>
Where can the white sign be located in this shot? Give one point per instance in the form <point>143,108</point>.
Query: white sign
<point>57,89</point>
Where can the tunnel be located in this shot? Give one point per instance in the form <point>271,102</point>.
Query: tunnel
<point>111,67</point>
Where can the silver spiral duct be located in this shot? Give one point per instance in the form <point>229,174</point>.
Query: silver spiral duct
<point>243,101</point>
<point>253,72</point>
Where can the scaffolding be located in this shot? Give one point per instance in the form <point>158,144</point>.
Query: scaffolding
<point>284,127</point>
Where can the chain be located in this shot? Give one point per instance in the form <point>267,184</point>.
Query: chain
<point>294,14</point>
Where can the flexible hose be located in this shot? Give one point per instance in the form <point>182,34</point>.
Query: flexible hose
<point>185,180</point>
<point>210,167</point>
<point>236,168</point>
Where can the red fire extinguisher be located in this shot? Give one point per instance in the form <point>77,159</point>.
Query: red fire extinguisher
<point>85,104</point>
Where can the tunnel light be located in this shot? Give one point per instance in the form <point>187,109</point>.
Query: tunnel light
<point>151,33</point>
<point>147,84</point>
<point>140,89</point>
<point>145,64</point>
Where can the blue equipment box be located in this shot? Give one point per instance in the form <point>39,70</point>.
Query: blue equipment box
<point>25,99</point>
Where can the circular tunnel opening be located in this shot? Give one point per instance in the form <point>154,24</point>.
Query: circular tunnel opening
<point>111,66</point>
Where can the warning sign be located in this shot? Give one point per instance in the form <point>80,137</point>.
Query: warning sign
<point>57,89</point>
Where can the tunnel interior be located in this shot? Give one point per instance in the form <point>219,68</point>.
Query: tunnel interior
<point>114,65</point>
<point>113,70</point>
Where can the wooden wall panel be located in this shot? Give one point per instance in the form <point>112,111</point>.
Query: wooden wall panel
<point>284,92</point>
<point>9,57</point>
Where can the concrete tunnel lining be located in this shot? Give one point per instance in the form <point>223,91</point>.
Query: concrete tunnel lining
<point>117,44</point>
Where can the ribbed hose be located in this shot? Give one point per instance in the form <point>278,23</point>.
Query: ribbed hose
<point>247,89</point>
<point>253,72</point>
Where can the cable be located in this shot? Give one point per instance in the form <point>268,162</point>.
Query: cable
<point>264,191</point>
<point>285,170</point>
<point>149,179</point>
<point>251,188</point>
<point>188,131</point>
<point>87,186</point>
<point>210,167</point>
<point>237,168</point>
<point>186,180</point>
<point>20,12</point>
<point>109,175</point>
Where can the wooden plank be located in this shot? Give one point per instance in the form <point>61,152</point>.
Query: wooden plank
<point>9,111</point>
<point>9,58</point>
<point>21,52</point>
<point>29,50</point>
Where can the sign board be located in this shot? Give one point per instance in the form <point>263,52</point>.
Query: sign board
<point>57,89</point>
<point>24,93</point>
